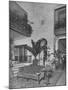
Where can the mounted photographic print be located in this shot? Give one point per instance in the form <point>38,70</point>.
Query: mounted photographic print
<point>37,44</point>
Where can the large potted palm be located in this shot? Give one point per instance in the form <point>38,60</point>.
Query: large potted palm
<point>37,47</point>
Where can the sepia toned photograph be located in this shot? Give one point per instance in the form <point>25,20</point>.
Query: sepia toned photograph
<point>37,44</point>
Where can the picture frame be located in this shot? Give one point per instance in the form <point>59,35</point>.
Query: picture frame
<point>60,20</point>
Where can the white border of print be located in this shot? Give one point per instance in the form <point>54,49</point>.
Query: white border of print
<point>4,44</point>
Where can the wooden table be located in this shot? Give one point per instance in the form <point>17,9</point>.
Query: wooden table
<point>31,72</point>
<point>47,73</point>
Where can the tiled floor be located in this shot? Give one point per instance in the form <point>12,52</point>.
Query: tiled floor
<point>58,78</point>
<point>62,80</point>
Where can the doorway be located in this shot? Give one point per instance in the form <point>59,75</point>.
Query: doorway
<point>62,48</point>
<point>62,45</point>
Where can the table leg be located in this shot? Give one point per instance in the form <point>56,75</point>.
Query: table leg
<point>39,79</point>
<point>44,74</point>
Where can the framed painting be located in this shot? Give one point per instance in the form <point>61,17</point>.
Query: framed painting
<point>60,20</point>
